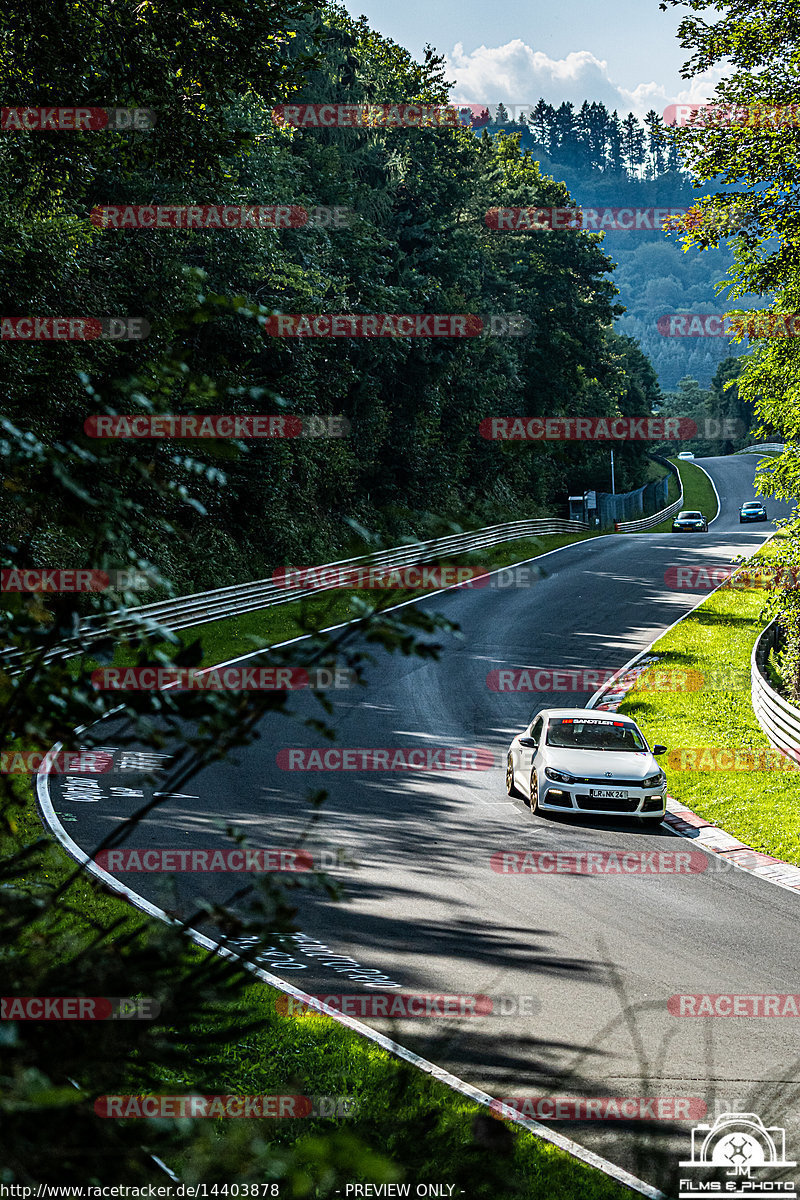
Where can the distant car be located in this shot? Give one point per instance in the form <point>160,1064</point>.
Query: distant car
<point>686,454</point>
<point>690,521</point>
<point>753,510</point>
<point>582,760</point>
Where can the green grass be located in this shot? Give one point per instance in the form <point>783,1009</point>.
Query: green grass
<point>757,806</point>
<point>425,1127</point>
<point>697,494</point>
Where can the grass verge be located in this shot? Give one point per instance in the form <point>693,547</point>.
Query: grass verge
<point>697,493</point>
<point>406,1113</point>
<point>757,806</point>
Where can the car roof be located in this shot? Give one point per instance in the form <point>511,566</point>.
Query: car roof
<point>594,713</point>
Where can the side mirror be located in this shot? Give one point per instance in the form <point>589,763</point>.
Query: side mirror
<point>659,749</point>
<point>529,741</point>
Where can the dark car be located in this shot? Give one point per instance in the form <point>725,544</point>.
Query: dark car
<point>690,521</point>
<point>753,510</point>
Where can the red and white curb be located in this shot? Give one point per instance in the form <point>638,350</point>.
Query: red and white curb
<point>617,688</point>
<point>687,824</point>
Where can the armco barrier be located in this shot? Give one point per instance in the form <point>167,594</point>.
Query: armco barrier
<point>779,719</point>
<point>655,518</point>
<point>767,447</point>
<point>187,611</point>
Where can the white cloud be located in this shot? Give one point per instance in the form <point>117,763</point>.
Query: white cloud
<point>516,74</point>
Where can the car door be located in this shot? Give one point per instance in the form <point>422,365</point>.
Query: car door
<point>528,753</point>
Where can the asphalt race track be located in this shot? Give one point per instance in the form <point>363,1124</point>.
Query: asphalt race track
<point>597,956</point>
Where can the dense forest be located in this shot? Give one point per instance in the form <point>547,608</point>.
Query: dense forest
<point>606,161</point>
<point>414,240</point>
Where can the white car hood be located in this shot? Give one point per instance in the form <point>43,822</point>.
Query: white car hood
<point>622,764</point>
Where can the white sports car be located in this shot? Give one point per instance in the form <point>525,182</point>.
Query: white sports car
<point>581,760</point>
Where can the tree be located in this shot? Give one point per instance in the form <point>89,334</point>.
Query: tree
<point>655,143</point>
<point>543,124</point>
<point>751,145</point>
<point>615,156</point>
<point>632,144</point>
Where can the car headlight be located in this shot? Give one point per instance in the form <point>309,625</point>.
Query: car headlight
<point>654,780</point>
<point>558,776</point>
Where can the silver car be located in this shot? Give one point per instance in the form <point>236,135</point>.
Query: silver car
<point>581,760</point>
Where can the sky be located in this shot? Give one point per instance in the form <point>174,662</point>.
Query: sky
<point>625,53</point>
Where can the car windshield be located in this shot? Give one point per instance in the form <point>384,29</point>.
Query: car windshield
<point>694,516</point>
<point>753,506</point>
<point>567,732</point>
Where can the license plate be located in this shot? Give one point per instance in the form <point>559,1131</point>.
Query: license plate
<point>605,795</point>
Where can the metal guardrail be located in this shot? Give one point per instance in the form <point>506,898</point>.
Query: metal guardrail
<point>200,607</point>
<point>779,719</point>
<point>777,447</point>
<point>655,518</point>
<point>649,522</point>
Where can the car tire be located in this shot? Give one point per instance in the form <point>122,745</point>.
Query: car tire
<point>511,787</point>
<point>533,799</point>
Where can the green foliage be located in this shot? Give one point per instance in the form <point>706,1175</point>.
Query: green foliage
<point>416,241</point>
<point>608,162</point>
<point>721,404</point>
<point>757,42</point>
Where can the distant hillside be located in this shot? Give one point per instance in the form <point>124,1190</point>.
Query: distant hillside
<point>607,162</point>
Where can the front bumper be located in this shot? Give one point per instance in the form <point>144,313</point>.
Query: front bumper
<point>575,798</point>
<point>689,529</point>
<point>745,518</point>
